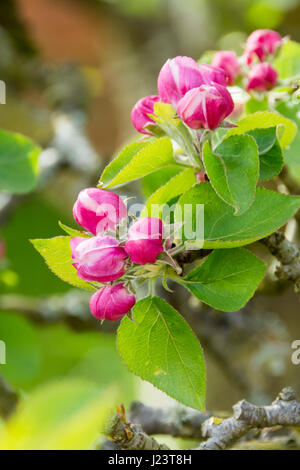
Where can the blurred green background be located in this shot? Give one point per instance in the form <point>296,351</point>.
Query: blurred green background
<point>73,70</point>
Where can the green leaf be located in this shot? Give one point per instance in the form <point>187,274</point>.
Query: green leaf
<point>161,348</point>
<point>222,229</point>
<point>291,110</point>
<point>175,187</point>
<point>18,163</point>
<point>120,161</point>
<point>227,279</point>
<point>286,129</point>
<point>270,153</point>
<point>65,415</point>
<point>233,170</point>
<point>152,182</point>
<point>57,254</point>
<point>136,161</point>
<point>73,232</point>
<point>165,117</point>
<point>264,138</point>
<point>271,162</point>
<point>253,105</point>
<point>288,61</point>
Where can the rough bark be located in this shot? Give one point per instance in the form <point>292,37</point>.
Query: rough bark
<point>177,421</point>
<point>288,255</point>
<point>284,411</point>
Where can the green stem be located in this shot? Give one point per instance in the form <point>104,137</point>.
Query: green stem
<point>151,285</point>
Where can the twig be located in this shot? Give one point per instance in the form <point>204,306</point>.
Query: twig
<point>289,256</point>
<point>129,437</point>
<point>8,399</point>
<point>70,308</point>
<point>177,421</point>
<point>284,411</point>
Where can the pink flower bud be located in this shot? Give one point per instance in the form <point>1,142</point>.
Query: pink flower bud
<point>140,113</point>
<point>111,302</point>
<point>262,42</point>
<point>211,74</point>
<point>98,210</point>
<point>262,77</point>
<point>99,259</point>
<point>181,74</point>
<point>145,240</point>
<point>206,106</point>
<point>227,61</point>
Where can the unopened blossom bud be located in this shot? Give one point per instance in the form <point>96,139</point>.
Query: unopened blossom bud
<point>145,240</point>
<point>261,43</point>
<point>99,259</point>
<point>98,210</point>
<point>262,77</point>
<point>140,113</point>
<point>111,302</point>
<point>206,106</point>
<point>227,61</point>
<point>212,74</point>
<point>181,74</point>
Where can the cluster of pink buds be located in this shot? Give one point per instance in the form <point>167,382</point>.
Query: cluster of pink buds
<point>262,43</point>
<point>199,93</point>
<point>260,46</point>
<point>199,90</point>
<point>103,258</point>
<point>182,74</point>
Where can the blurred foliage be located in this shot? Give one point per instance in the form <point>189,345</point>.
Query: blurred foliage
<point>18,163</point>
<point>238,14</point>
<point>137,7</point>
<point>37,354</point>
<point>288,62</point>
<point>35,218</point>
<point>63,415</point>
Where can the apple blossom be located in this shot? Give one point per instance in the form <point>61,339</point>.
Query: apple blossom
<point>99,258</point>
<point>98,210</point>
<point>111,302</point>
<point>206,106</point>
